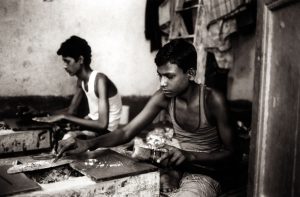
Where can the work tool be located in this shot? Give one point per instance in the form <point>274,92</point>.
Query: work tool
<point>37,165</point>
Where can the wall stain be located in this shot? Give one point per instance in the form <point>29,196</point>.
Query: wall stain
<point>26,64</point>
<point>3,12</point>
<point>25,79</point>
<point>29,50</point>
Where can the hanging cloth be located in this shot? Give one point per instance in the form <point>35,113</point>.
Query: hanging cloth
<point>223,9</point>
<point>152,30</point>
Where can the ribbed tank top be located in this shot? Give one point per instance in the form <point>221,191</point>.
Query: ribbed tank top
<point>203,139</point>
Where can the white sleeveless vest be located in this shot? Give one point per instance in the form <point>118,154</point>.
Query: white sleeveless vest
<point>115,104</point>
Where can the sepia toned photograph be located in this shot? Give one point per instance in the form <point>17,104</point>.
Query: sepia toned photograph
<point>149,98</point>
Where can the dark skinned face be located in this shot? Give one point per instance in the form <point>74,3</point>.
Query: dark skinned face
<point>71,66</point>
<point>173,81</point>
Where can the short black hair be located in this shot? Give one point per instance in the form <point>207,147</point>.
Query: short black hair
<point>75,47</point>
<point>179,52</point>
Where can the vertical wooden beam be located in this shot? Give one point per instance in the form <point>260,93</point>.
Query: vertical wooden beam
<point>274,151</point>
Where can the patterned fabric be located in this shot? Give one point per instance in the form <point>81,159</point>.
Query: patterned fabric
<point>218,35</point>
<point>196,185</point>
<point>220,9</point>
<point>218,41</point>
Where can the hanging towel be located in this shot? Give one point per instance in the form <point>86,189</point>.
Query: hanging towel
<point>218,41</point>
<point>221,9</point>
<point>218,34</point>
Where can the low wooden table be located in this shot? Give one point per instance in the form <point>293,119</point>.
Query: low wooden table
<point>141,184</point>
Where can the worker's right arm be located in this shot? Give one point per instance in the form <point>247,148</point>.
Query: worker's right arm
<point>156,103</point>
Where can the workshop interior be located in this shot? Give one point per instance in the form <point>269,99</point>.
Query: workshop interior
<point>246,49</point>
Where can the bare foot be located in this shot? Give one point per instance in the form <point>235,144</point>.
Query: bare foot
<point>169,180</point>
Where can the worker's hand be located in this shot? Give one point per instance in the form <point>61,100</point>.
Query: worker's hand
<point>173,157</point>
<point>71,146</point>
<point>50,119</point>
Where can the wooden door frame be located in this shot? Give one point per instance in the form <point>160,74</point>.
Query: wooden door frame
<point>260,100</point>
<point>264,133</point>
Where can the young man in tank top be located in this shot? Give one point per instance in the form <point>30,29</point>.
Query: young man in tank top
<point>104,102</point>
<point>199,117</point>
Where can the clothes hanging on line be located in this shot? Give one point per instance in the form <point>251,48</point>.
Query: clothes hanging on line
<point>218,41</point>
<point>223,9</point>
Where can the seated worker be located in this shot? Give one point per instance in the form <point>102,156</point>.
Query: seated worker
<point>199,118</point>
<point>103,99</point>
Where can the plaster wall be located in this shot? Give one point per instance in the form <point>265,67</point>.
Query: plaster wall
<point>32,31</point>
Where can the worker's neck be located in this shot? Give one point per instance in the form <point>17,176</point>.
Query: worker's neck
<point>190,92</point>
<point>84,74</point>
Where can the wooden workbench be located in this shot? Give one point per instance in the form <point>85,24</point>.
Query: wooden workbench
<point>144,184</point>
<point>141,185</point>
<point>22,141</point>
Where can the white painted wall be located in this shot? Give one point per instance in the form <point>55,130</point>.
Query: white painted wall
<point>31,31</point>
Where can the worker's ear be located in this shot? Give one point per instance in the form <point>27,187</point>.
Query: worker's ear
<point>191,73</point>
<point>81,59</point>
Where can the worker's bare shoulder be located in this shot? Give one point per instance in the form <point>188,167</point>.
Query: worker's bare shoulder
<point>214,98</point>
